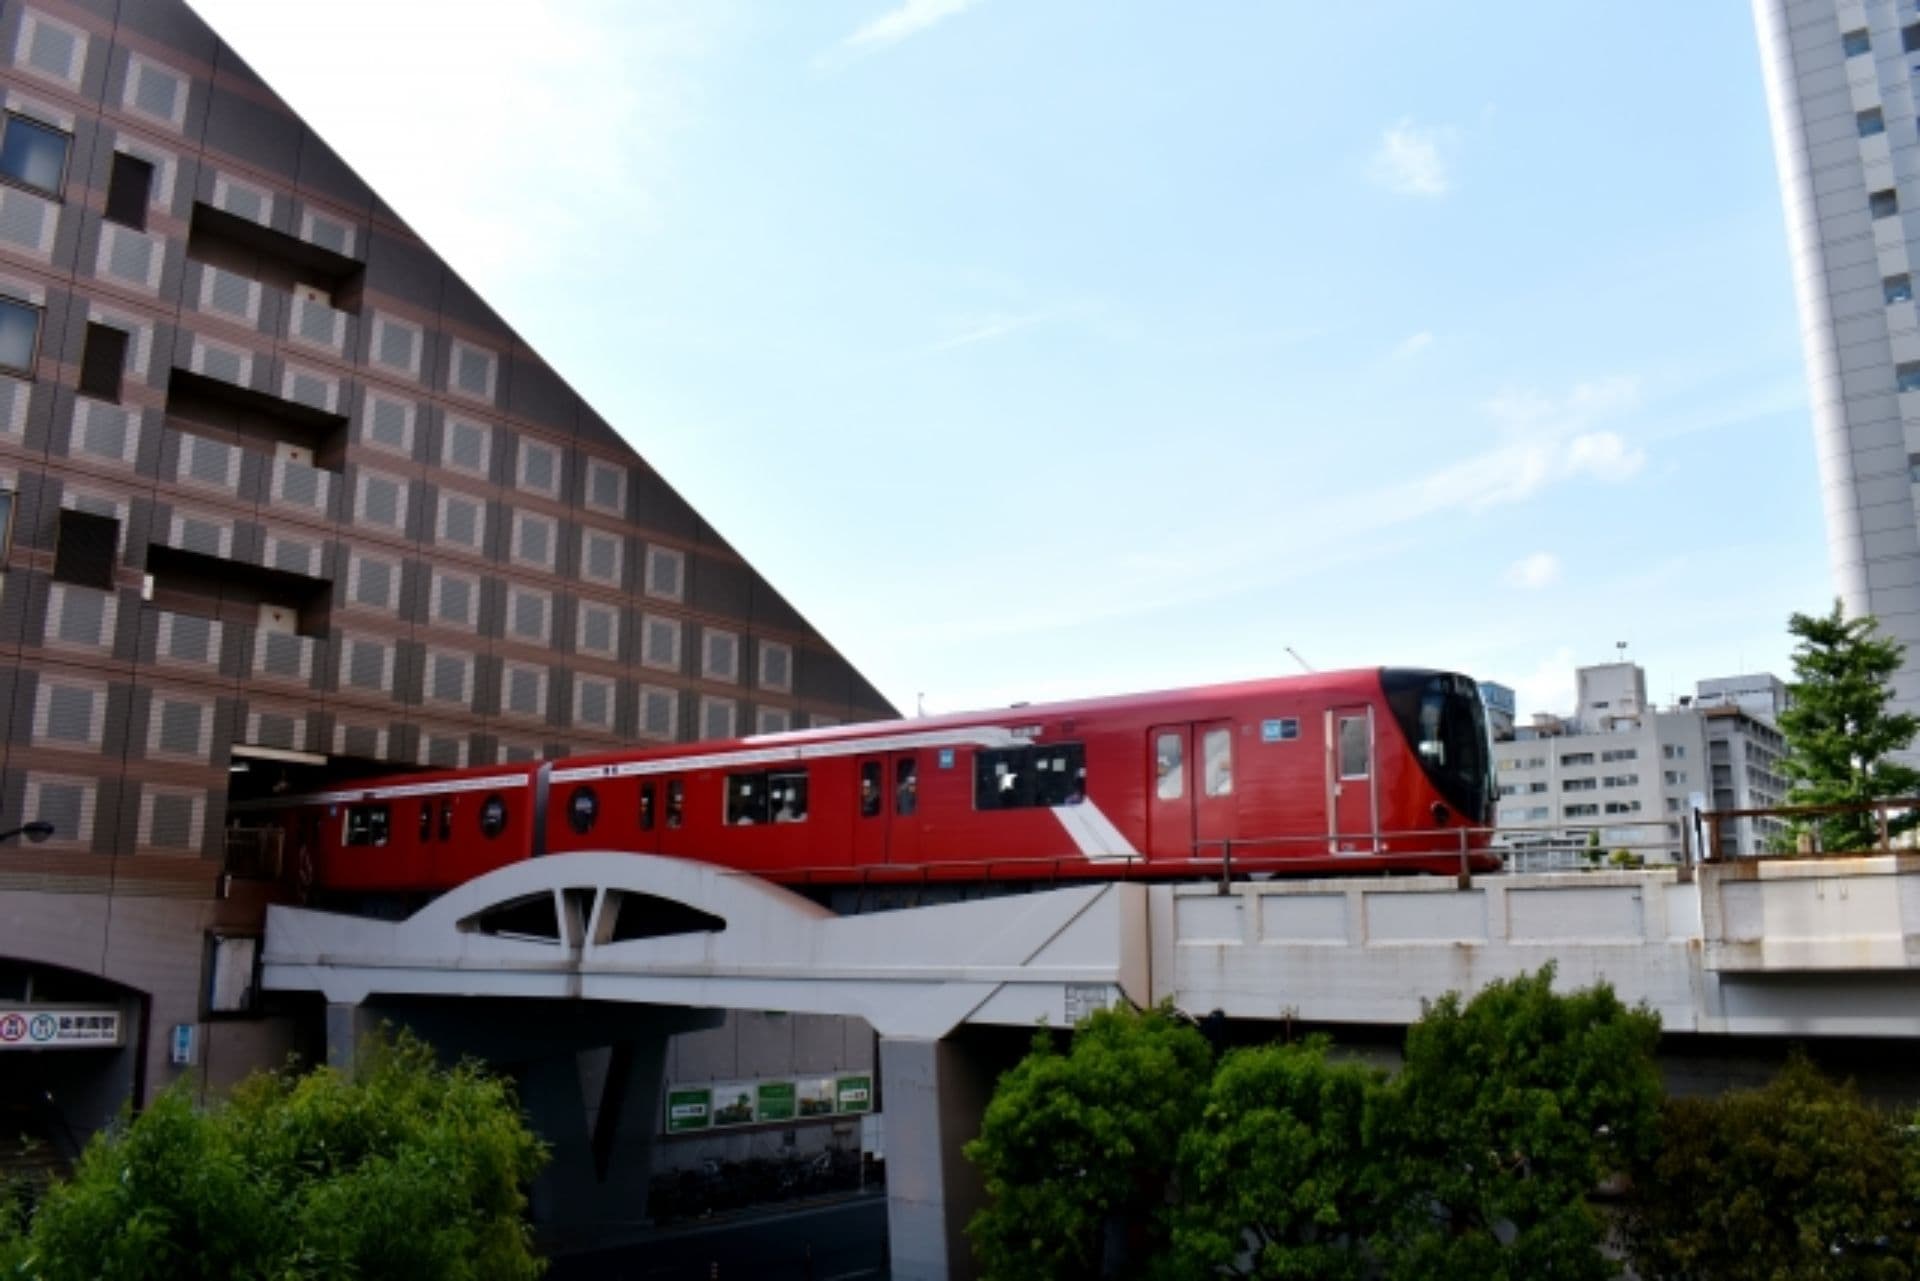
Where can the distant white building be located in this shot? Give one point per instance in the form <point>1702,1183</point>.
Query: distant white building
<point>1617,767</point>
<point>1744,750</point>
<point>1633,773</point>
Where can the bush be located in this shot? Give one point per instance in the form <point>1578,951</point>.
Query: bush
<point>405,1170</point>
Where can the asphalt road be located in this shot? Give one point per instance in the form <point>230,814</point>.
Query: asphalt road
<point>845,1241</point>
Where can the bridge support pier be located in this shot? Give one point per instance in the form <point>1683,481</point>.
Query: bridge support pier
<point>589,1074</point>
<point>933,1094</point>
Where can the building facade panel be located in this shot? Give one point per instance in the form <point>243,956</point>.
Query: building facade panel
<point>286,501</point>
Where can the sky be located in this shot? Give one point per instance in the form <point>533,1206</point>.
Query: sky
<point>1041,348</point>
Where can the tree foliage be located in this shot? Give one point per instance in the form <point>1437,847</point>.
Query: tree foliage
<point>1509,1111</point>
<point>404,1170</point>
<point>1840,733</point>
<point>1078,1149</point>
<point>1274,1174</point>
<point>1799,1179</point>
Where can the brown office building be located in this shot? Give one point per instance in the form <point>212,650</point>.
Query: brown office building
<point>285,502</point>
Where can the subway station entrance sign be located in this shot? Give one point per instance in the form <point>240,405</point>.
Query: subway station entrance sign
<point>60,1027</point>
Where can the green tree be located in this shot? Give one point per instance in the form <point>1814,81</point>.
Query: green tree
<point>1274,1174</point>
<point>405,1170</point>
<point>1800,1179</point>
<point>1510,1110</point>
<point>1840,733</point>
<point>1078,1149</point>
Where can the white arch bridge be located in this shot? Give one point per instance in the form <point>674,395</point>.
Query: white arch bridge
<point>586,949</point>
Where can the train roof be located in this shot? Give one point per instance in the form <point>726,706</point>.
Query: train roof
<point>1349,680</point>
<point>1353,681</point>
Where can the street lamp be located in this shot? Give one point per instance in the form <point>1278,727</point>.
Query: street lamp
<point>36,831</point>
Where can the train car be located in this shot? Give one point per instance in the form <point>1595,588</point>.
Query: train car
<point>1372,770</point>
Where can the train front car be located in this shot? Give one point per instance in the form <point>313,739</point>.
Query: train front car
<point>1442,721</point>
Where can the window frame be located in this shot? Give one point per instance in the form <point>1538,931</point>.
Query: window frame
<point>91,364</point>
<point>114,169</point>
<point>57,192</point>
<point>39,334</point>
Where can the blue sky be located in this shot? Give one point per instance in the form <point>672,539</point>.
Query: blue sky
<point>1045,347</point>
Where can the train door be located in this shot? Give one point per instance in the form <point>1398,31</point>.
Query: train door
<point>1352,807</point>
<point>1189,789</point>
<point>648,816</point>
<point>903,836</point>
<point>870,811</point>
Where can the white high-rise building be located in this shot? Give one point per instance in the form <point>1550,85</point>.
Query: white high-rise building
<point>1840,91</point>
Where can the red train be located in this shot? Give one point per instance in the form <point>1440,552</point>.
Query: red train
<point>1376,769</point>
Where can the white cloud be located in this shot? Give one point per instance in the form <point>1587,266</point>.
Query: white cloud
<point>1411,159</point>
<point>1542,569</point>
<point>1413,345</point>
<point>1545,441</point>
<point>909,19</point>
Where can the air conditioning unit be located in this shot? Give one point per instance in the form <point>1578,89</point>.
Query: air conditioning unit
<point>286,451</point>
<point>313,293</point>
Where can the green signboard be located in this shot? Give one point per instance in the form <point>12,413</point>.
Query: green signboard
<point>776,1101</point>
<point>854,1093</point>
<point>689,1110</point>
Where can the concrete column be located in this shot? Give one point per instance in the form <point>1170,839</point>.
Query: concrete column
<point>347,1024</point>
<point>933,1093</point>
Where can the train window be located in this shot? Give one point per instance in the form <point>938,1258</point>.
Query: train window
<point>493,816</point>
<point>367,825</point>
<point>1353,747</point>
<point>446,820</point>
<point>906,786</point>
<point>746,799</point>
<point>646,807</point>
<point>869,788</point>
<point>1216,752</point>
<point>1059,774</point>
<point>771,796</point>
<point>1170,766</point>
<point>787,796</point>
<point>426,821</point>
<point>676,803</point>
<point>583,809</point>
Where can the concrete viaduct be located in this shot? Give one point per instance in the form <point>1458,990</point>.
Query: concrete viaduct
<point>591,950</point>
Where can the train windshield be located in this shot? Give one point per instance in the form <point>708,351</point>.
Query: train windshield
<point>1442,716</point>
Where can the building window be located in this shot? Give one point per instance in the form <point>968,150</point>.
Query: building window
<point>1582,811</point>
<point>6,524</point>
<point>1870,122</point>
<point>1906,375</point>
<point>1856,42</point>
<point>86,548</point>
<point>1620,754</point>
<point>666,573</point>
<point>1883,204</point>
<point>1898,288</point>
<point>34,155</point>
<point>776,666</point>
<point>720,655</point>
<point>129,191</point>
<point>1577,758</point>
<point>1579,785</point>
<point>1910,38</point>
<point>102,361</point>
<point>716,717</point>
<point>19,335</point>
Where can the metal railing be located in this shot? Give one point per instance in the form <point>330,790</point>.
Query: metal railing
<point>1892,819</point>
